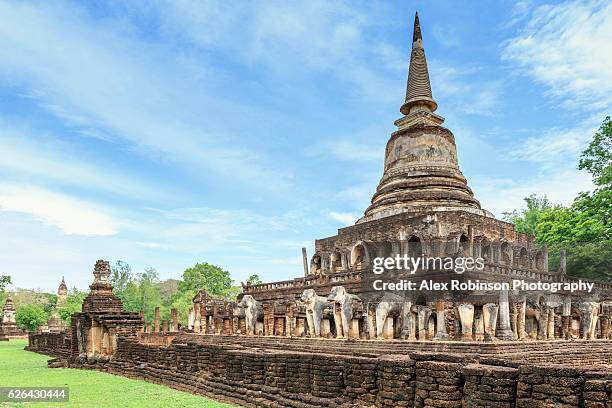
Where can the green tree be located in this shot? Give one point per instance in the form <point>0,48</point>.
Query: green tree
<point>254,279</point>
<point>30,317</point>
<point>148,292</point>
<point>73,304</point>
<point>182,301</point>
<point>121,276</point>
<point>5,280</point>
<point>205,276</point>
<point>597,158</point>
<point>526,220</point>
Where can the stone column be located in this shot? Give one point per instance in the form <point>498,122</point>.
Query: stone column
<point>543,324</point>
<point>196,317</point>
<point>478,325</point>
<point>489,313</point>
<point>566,318</point>
<point>325,328</point>
<point>156,320</point>
<point>190,319</point>
<point>371,316</point>
<point>388,328</point>
<point>520,319</point>
<point>173,320</point>
<point>423,321</point>
<point>513,319</point>
<point>562,262</point>
<point>551,323</point>
<point>604,322</point>
<point>149,328</point>
<point>441,333</point>
<point>164,326</point>
<point>466,317</point>
<point>504,332</point>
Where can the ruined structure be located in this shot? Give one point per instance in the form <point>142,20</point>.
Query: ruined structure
<point>8,323</point>
<point>330,339</point>
<point>95,330</point>
<point>55,324</point>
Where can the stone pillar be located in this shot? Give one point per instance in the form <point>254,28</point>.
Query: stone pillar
<point>489,314</point>
<point>514,319</point>
<point>388,328</point>
<point>190,319</point>
<point>604,322</point>
<point>164,326</point>
<point>371,316</point>
<point>423,320</point>
<point>268,310</point>
<point>156,320</point>
<point>305,260</point>
<point>174,320</point>
<point>543,324</point>
<point>149,328</point>
<point>441,333</point>
<point>504,332</point>
<point>562,262</point>
<point>196,317</point>
<point>520,319</point>
<point>566,324</point>
<point>325,328</point>
<point>478,325</point>
<point>299,328</point>
<point>551,323</point>
<point>354,329</point>
<point>466,317</point>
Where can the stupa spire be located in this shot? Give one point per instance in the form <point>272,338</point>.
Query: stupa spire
<point>418,88</point>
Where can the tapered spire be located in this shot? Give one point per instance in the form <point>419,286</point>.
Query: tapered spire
<point>418,89</point>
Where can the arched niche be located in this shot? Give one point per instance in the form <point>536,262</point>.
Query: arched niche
<point>335,260</point>
<point>505,254</point>
<point>316,264</point>
<point>415,247</point>
<point>359,255</point>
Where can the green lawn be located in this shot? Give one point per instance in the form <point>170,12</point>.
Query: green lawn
<point>19,368</point>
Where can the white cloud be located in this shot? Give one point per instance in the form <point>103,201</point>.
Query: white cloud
<point>343,217</point>
<point>556,147</point>
<point>505,195</point>
<point>27,153</point>
<point>568,48</point>
<point>72,216</point>
<point>100,78</point>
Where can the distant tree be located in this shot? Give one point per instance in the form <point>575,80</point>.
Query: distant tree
<point>73,304</point>
<point>5,280</point>
<point>30,317</point>
<point>121,276</point>
<point>49,306</point>
<point>583,229</point>
<point>254,279</point>
<point>526,220</point>
<point>205,276</point>
<point>597,158</point>
<point>182,301</point>
<point>148,292</point>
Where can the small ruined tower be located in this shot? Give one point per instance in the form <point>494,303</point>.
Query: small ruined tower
<point>421,172</point>
<point>101,297</point>
<point>62,292</point>
<point>8,312</point>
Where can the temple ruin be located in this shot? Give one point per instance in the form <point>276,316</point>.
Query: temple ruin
<point>330,339</point>
<point>8,322</point>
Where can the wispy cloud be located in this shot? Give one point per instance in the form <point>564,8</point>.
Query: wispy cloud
<point>72,216</point>
<point>566,47</point>
<point>343,217</point>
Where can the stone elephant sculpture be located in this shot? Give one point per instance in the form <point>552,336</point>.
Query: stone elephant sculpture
<point>253,311</point>
<point>344,304</point>
<point>391,305</point>
<point>589,313</point>
<point>315,306</point>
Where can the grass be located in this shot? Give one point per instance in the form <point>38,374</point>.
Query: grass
<point>20,368</point>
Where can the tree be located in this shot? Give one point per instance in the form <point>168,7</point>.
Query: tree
<point>526,220</point>
<point>597,158</point>
<point>121,276</point>
<point>205,276</point>
<point>584,229</point>
<point>148,293</point>
<point>30,317</point>
<point>254,279</point>
<point>5,280</point>
<point>73,304</point>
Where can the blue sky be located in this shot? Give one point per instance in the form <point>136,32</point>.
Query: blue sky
<point>164,133</point>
